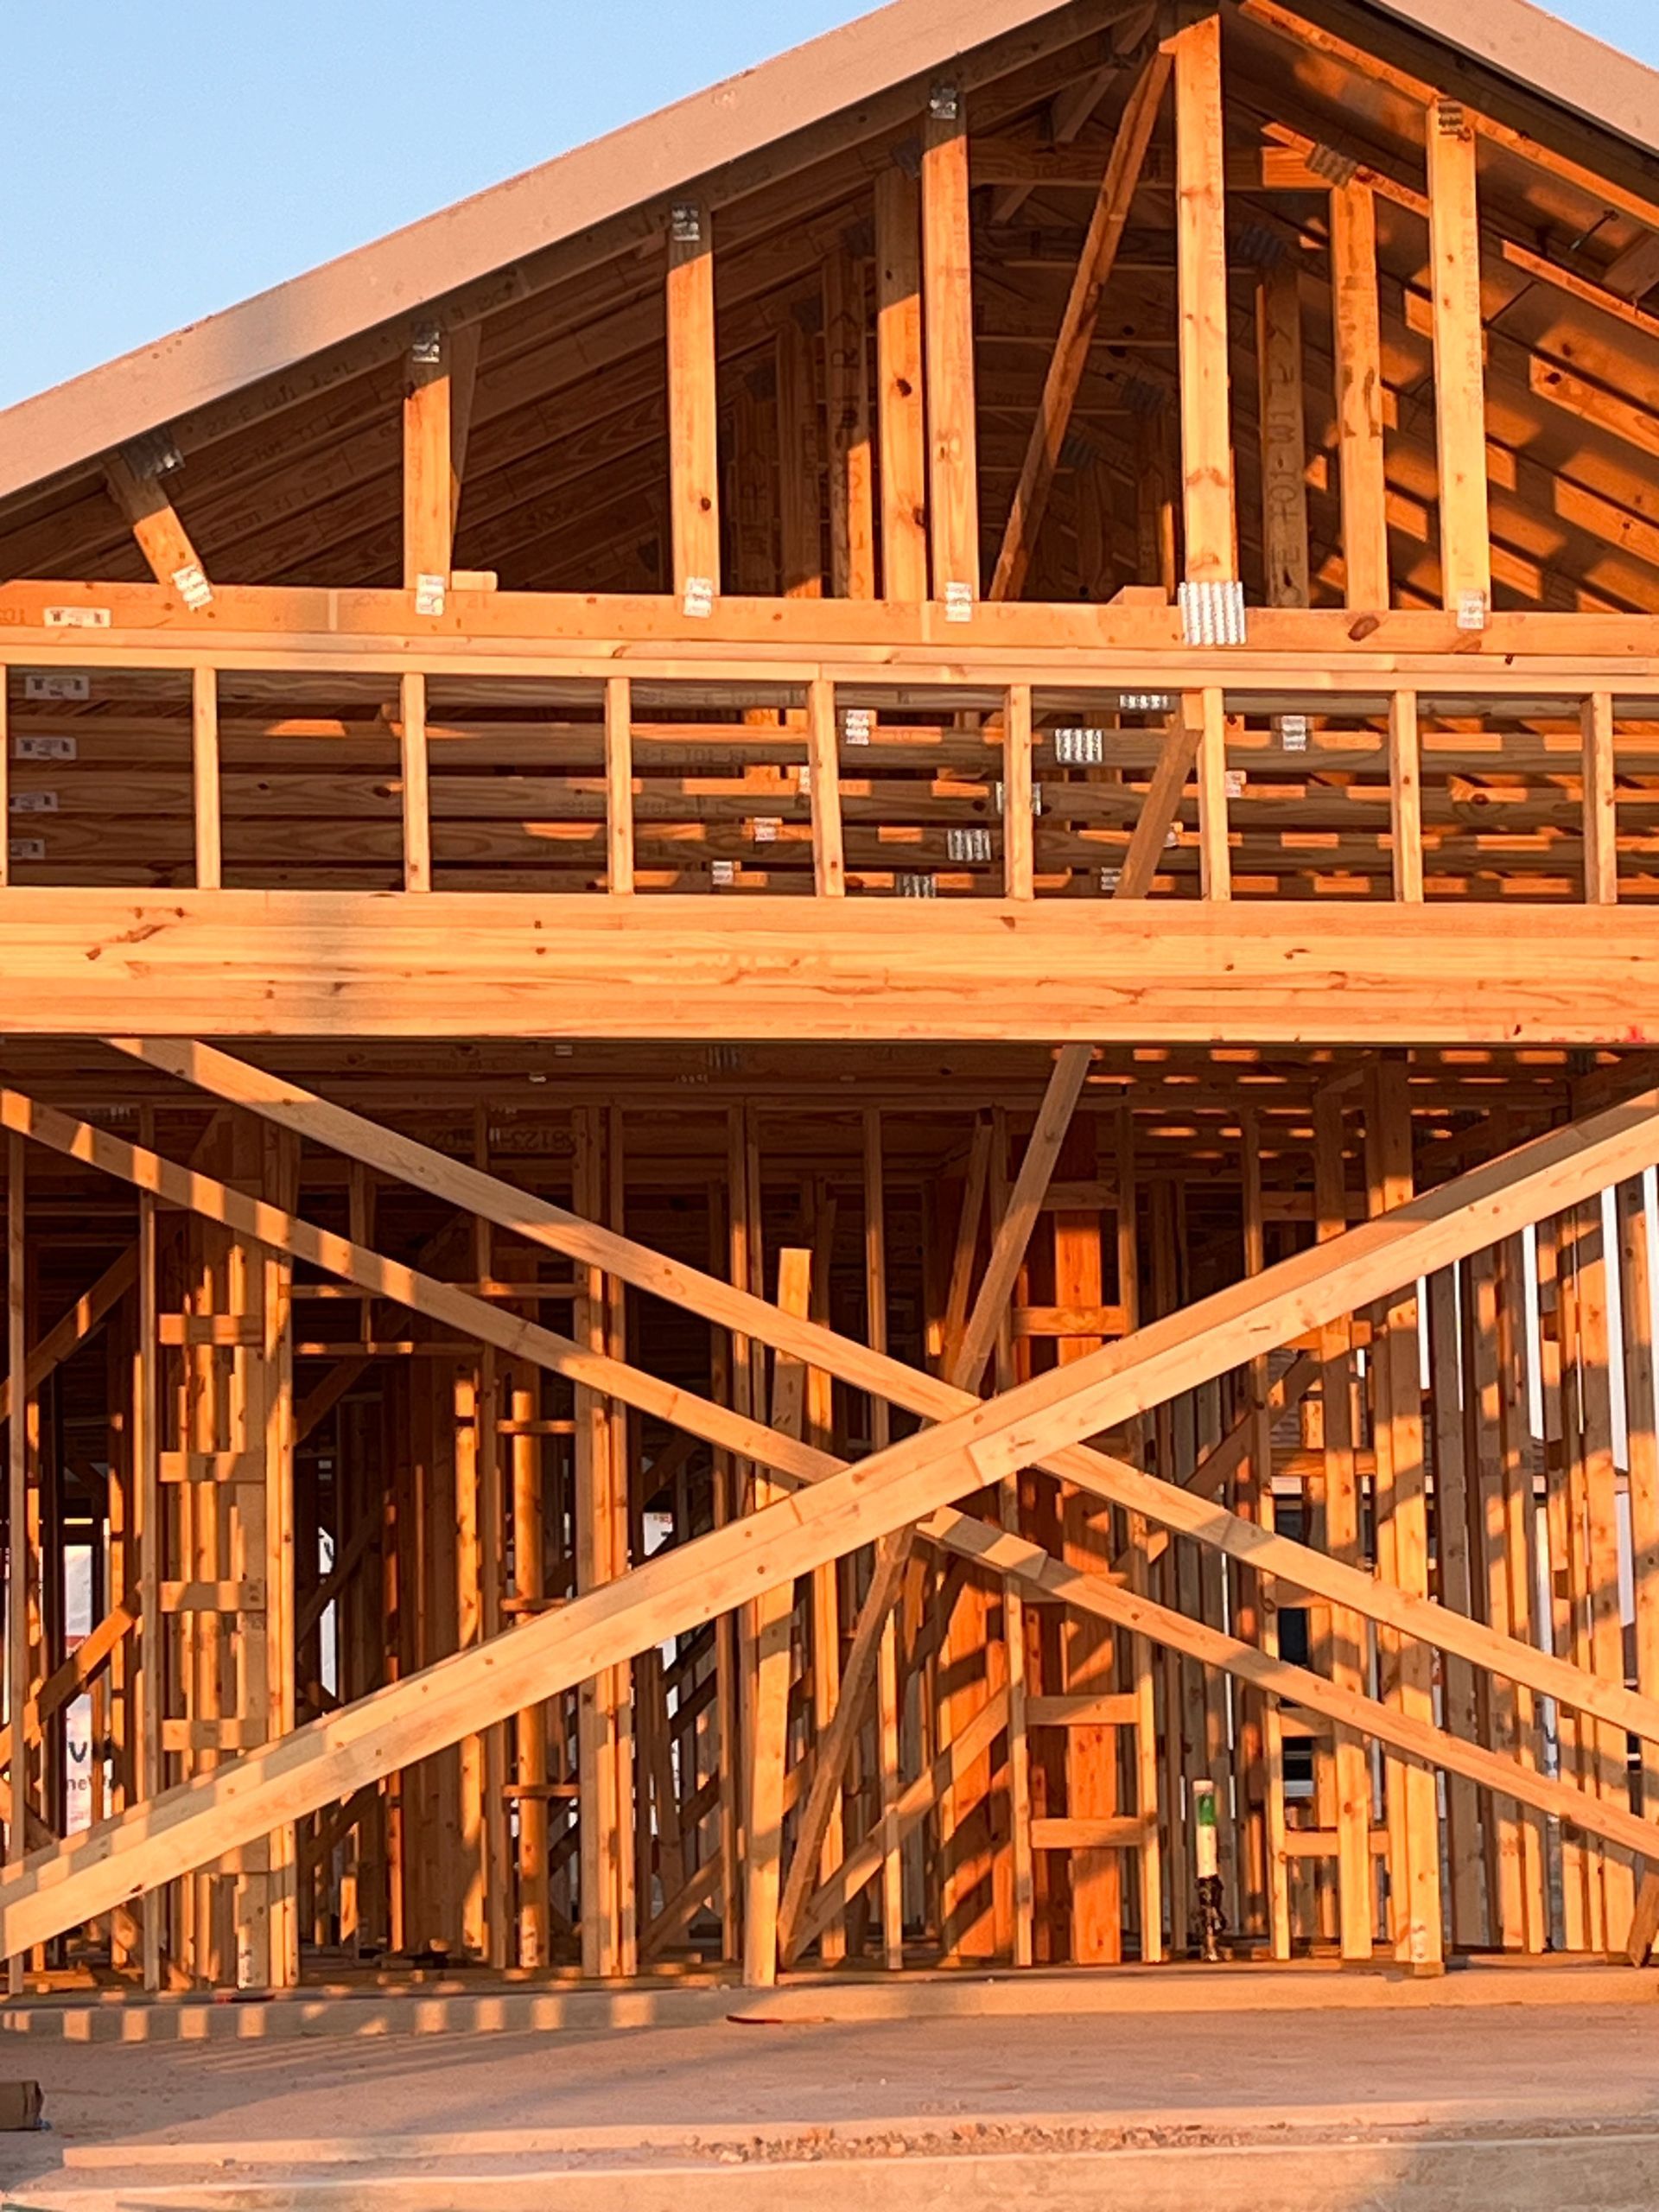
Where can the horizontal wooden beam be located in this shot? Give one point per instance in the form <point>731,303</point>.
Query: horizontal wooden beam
<point>362,964</point>
<point>283,629</point>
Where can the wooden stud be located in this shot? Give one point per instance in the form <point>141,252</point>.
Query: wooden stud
<point>18,1568</point>
<point>619,785</point>
<point>5,773</point>
<point>1206,713</point>
<point>417,794</point>
<point>1201,262</point>
<point>948,327</point>
<point>429,469</point>
<point>800,465</point>
<point>1402,1521</point>
<point>204,771</point>
<point>771,1630</point>
<point>692,421</point>
<point>1600,814</point>
<point>1360,395</point>
<point>1406,797</point>
<point>1459,365</point>
<point>824,758</point>
<point>852,481</point>
<point>1284,436</point>
<point>1017,828</point>
<point>900,415</point>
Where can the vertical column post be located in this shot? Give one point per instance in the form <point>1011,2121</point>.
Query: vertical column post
<point>902,426</point>
<point>5,776</point>
<point>1459,365</point>
<point>889,1693</point>
<point>693,426</point>
<point>829,860</point>
<point>1349,1637</point>
<point>770,1627</point>
<point>204,776</point>
<point>417,804</point>
<point>429,469</point>
<point>948,302</point>
<point>1402,1540</point>
<point>1357,324</point>
<point>146,1475</point>
<point>18,1560</point>
<point>1201,279</point>
<point>852,485</point>
<point>1284,436</point>
<point>1406,797</point>
<point>1207,710</point>
<point>1019,838</point>
<point>619,785</point>
<point>800,465</point>
<point>1601,816</point>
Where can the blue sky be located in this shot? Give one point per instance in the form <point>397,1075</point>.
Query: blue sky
<point>160,159</point>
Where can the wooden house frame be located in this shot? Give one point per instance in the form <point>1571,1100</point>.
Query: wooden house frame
<point>827,959</point>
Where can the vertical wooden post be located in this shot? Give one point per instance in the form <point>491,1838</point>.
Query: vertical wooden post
<point>495,1854</point>
<point>146,1475</point>
<point>5,775</point>
<point>1406,797</point>
<point>280,1155</point>
<point>1284,436</point>
<point>828,863</point>
<point>204,775</point>
<point>800,465</point>
<point>1460,369</point>
<point>1201,264</point>
<point>1402,1536</point>
<point>1016,1624</point>
<point>693,418</point>
<point>888,1694</point>
<point>1207,709</point>
<point>600,1827</point>
<point>772,1620</point>
<point>1600,818</point>
<point>616,1534</point>
<point>1604,1637</point>
<point>1636,1301</point>
<point>947,292</point>
<point>1141,1654</point>
<point>852,481</point>
<point>1459,1700</point>
<point>1019,835</point>
<point>429,466</point>
<point>18,1560</point>
<point>1265,1603</point>
<point>900,420</point>
<point>1358,341</point>
<point>619,785</point>
<point>417,805</point>
<point>1350,1636</point>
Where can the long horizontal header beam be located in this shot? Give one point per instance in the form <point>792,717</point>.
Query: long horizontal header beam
<point>249,964</point>
<point>1304,651</point>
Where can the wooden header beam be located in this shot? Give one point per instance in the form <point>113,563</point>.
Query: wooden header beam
<point>365,964</point>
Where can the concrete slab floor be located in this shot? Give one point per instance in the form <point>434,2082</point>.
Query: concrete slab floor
<point>660,2114</point>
